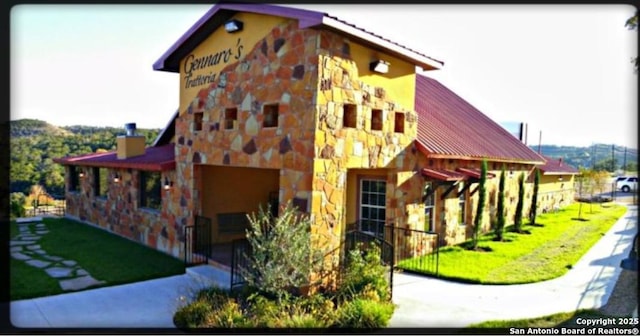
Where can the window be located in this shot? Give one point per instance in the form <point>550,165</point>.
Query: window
<point>270,116</point>
<point>150,196</point>
<point>100,184</point>
<point>398,125</point>
<point>373,206</point>
<point>349,115</point>
<point>230,118</point>
<point>74,184</point>
<point>429,207</point>
<point>197,121</point>
<point>376,120</point>
<point>462,206</point>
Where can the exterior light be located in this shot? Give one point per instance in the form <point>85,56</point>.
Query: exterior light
<point>116,178</point>
<point>379,66</point>
<point>81,174</point>
<point>233,26</point>
<point>167,184</point>
<point>560,178</point>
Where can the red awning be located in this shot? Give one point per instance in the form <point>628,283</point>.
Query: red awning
<point>474,173</point>
<point>443,174</point>
<point>159,158</point>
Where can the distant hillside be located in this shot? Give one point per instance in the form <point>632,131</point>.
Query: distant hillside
<point>35,143</point>
<point>587,157</point>
<point>31,127</point>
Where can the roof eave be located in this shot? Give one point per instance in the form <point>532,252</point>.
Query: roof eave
<point>420,60</point>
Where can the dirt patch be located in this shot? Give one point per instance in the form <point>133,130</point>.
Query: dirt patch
<point>624,298</point>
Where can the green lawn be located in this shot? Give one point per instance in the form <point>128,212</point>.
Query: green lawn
<point>104,255</point>
<point>545,251</point>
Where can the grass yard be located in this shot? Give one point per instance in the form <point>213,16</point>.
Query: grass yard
<point>546,251</point>
<point>104,255</point>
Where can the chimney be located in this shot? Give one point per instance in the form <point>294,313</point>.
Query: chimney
<point>130,145</point>
<point>560,161</point>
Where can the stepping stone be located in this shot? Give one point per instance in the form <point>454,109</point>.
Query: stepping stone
<point>69,263</point>
<point>40,251</point>
<point>33,247</point>
<point>81,272</point>
<point>19,242</point>
<point>38,263</point>
<point>41,226</point>
<point>31,238</point>
<point>16,249</point>
<point>79,283</point>
<point>53,258</point>
<point>42,232</point>
<point>29,219</point>
<point>23,228</point>
<point>59,272</point>
<point>20,256</point>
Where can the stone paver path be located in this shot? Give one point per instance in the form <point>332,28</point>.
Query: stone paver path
<point>25,247</point>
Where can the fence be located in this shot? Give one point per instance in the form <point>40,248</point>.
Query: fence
<point>240,261</point>
<point>47,205</point>
<point>197,242</point>
<point>415,250</point>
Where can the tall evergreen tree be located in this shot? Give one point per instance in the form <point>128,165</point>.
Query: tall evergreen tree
<point>518,220</point>
<point>533,212</point>
<point>499,230</point>
<point>482,195</point>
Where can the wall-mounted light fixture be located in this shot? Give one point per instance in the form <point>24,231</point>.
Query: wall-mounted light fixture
<point>116,178</point>
<point>560,178</point>
<point>81,173</point>
<point>379,66</point>
<point>167,184</point>
<point>233,26</point>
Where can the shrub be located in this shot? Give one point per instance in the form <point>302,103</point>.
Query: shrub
<point>363,313</point>
<point>365,272</point>
<point>192,315</point>
<point>17,202</point>
<point>227,315</point>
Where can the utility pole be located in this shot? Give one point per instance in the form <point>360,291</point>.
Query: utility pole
<point>624,161</point>
<point>593,156</point>
<point>540,142</point>
<point>613,158</point>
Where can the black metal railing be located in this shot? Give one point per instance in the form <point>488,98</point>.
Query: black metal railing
<point>47,205</point>
<point>415,250</point>
<point>240,262</point>
<point>197,242</point>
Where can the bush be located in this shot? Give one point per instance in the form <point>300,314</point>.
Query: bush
<point>192,315</point>
<point>365,273</point>
<point>363,313</point>
<point>227,315</point>
<point>17,202</point>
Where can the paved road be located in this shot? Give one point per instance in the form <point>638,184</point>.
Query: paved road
<point>421,302</point>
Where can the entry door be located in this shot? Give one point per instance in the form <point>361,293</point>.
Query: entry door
<point>373,206</point>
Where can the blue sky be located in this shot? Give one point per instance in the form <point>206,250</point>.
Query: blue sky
<point>565,70</point>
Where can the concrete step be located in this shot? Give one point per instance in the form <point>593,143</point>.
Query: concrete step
<point>210,275</point>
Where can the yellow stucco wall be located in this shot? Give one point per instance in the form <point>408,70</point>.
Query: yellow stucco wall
<point>554,194</point>
<point>202,66</point>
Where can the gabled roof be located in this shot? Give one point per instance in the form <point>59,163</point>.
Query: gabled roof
<point>220,13</point>
<point>556,166</point>
<point>450,127</point>
<point>159,158</point>
<point>165,135</point>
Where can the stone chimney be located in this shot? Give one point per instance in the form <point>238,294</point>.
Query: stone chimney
<point>130,145</point>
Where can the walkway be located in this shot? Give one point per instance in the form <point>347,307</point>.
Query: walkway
<point>422,302</point>
<point>428,302</point>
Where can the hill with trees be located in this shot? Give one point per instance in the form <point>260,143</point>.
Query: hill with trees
<point>35,143</point>
<point>605,157</point>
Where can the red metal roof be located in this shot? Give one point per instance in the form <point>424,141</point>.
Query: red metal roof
<point>159,158</point>
<point>450,127</point>
<point>443,174</point>
<point>556,166</point>
<point>474,172</point>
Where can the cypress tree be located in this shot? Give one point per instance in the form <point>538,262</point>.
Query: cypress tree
<point>499,230</point>
<point>534,199</point>
<point>518,219</point>
<point>482,195</point>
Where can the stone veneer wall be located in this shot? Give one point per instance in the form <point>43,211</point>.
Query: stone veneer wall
<point>282,69</point>
<point>554,194</point>
<point>119,211</point>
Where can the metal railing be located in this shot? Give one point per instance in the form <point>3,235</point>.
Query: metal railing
<point>240,262</point>
<point>197,242</point>
<point>415,250</point>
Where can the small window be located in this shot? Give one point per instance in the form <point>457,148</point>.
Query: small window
<point>150,193</point>
<point>349,115</point>
<point>100,184</point>
<point>230,118</point>
<point>74,184</point>
<point>376,120</point>
<point>461,201</point>
<point>398,125</point>
<point>270,116</point>
<point>197,121</point>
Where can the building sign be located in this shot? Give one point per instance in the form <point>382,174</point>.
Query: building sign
<point>193,64</point>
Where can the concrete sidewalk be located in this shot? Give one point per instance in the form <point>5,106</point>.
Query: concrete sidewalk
<point>421,301</point>
<point>428,302</point>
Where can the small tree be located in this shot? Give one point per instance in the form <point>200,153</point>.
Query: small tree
<point>17,200</point>
<point>533,212</point>
<point>284,252</point>
<point>499,230</point>
<point>518,220</point>
<point>482,195</point>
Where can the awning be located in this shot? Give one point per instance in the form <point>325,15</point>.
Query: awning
<point>161,158</point>
<point>474,173</point>
<point>443,174</point>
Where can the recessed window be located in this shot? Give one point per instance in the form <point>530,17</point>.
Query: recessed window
<point>398,125</point>
<point>100,185</point>
<point>74,184</point>
<point>376,120</point>
<point>197,121</point>
<point>373,206</point>
<point>150,194</point>
<point>349,115</point>
<point>230,118</point>
<point>270,116</point>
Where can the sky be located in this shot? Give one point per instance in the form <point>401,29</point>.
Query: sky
<point>565,70</point>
